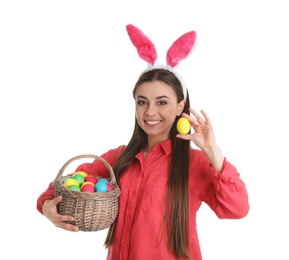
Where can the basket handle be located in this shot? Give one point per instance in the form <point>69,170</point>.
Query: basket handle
<point>113,179</point>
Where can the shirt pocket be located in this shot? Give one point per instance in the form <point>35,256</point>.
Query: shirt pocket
<point>153,201</point>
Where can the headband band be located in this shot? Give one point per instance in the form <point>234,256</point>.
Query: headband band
<point>178,51</point>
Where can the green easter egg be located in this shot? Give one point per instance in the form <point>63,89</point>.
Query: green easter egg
<point>79,178</point>
<point>74,187</point>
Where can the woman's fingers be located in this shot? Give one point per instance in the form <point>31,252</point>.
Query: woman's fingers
<point>66,226</point>
<point>50,211</point>
<point>63,218</point>
<point>193,121</point>
<point>198,117</point>
<point>208,121</point>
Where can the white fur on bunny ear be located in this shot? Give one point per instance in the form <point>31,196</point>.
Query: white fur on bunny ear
<point>145,48</point>
<point>181,48</point>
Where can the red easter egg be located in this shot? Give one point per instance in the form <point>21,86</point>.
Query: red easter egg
<point>87,188</point>
<point>90,178</point>
<point>109,187</point>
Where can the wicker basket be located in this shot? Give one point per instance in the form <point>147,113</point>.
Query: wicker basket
<point>91,211</point>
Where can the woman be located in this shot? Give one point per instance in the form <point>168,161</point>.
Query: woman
<point>163,180</point>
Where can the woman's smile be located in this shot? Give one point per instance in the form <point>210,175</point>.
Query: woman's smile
<point>152,123</point>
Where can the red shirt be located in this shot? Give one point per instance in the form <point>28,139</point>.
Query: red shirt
<point>140,233</point>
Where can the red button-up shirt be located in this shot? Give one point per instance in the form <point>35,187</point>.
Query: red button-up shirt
<point>140,233</point>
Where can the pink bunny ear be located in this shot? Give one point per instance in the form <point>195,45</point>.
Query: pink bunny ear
<point>145,48</point>
<point>181,48</point>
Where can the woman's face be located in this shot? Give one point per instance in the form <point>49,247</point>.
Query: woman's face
<point>156,109</point>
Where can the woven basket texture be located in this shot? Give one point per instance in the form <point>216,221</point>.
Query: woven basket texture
<point>91,211</point>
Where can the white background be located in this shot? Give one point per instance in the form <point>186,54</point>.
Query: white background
<point>67,69</point>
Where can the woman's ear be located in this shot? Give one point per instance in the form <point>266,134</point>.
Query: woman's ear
<point>181,106</point>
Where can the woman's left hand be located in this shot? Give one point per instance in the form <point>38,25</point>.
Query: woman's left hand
<point>204,138</point>
<point>203,135</point>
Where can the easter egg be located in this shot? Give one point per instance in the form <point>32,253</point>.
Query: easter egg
<point>90,178</point>
<point>109,187</point>
<point>104,180</point>
<point>183,126</point>
<point>79,178</point>
<point>87,182</point>
<point>70,181</point>
<point>80,172</point>
<point>87,187</point>
<point>63,180</point>
<point>101,186</point>
<point>74,187</point>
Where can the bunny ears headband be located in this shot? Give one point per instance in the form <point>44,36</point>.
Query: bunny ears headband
<point>178,51</point>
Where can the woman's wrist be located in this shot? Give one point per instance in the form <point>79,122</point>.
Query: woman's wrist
<point>216,158</point>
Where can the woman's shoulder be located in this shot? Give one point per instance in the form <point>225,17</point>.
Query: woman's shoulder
<point>112,154</point>
<point>118,149</point>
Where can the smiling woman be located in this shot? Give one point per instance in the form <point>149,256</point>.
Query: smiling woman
<point>163,180</point>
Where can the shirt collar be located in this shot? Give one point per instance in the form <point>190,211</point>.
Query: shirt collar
<point>165,147</point>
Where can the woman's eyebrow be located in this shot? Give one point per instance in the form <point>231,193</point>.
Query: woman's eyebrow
<point>159,97</point>
<point>141,97</point>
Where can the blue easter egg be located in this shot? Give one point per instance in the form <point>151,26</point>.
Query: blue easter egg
<point>101,186</point>
<point>63,180</point>
<point>103,180</point>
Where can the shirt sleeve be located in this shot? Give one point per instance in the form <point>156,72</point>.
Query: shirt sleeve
<point>96,167</point>
<point>224,192</point>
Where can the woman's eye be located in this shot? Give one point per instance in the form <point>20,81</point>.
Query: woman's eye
<point>162,102</point>
<point>141,102</point>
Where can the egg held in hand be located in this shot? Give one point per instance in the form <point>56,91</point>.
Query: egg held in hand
<point>183,125</point>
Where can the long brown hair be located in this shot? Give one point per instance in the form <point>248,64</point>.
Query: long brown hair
<point>176,213</point>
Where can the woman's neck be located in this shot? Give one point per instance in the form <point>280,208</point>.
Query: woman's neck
<point>152,142</point>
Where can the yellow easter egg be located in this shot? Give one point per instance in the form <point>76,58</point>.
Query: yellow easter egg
<point>87,182</point>
<point>183,125</point>
<point>70,181</point>
<point>84,174</point>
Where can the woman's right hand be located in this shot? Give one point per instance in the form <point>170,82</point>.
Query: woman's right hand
<point>49,210</point>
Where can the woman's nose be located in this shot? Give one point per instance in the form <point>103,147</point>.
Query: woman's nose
<point>151,110</point>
